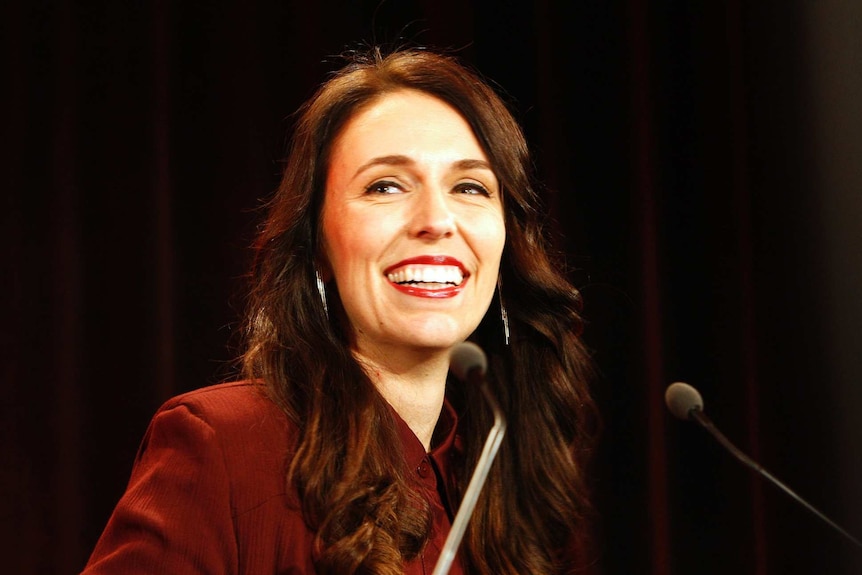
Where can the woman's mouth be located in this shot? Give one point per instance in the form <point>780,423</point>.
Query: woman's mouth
<point>428,276</point>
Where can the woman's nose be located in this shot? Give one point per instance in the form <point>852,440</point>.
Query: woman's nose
<point>432,216</point>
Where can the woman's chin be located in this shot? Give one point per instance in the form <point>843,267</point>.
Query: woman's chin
<point>431,333</point>
<point>437,334</point>
<point>430,341</point>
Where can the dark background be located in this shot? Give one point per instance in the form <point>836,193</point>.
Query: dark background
<point>702,164</point>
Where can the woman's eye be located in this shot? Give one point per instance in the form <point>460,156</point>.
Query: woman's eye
<point>383,187</point>
<point>472,188</point>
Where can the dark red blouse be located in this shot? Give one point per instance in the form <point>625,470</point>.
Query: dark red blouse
<point>208,494</point>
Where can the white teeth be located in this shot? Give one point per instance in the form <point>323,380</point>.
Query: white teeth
<point>427,274</point>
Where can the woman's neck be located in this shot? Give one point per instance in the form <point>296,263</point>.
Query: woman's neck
<point>413,384</point>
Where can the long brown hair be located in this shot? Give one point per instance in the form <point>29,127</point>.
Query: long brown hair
<point>354,491</point>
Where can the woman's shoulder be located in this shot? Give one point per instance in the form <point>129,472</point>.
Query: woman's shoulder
<point>232,402</point>
<point>238,413</point>
<point>233,429</point>
<point>207,484</point>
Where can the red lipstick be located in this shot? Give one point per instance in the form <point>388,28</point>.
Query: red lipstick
<point>432,260</point>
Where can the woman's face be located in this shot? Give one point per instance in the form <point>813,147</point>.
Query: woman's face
<point>413,225</point>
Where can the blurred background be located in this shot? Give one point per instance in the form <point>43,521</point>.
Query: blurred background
<point>702,170</point>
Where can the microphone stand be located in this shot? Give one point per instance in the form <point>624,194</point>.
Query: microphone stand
<point>699,416</point>
<point>480,474</point>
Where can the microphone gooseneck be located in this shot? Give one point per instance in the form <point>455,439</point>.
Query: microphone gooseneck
<point>469,364</point>
<point>685,402</point>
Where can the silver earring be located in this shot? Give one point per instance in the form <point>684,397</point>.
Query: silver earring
<point>322,291</point>
<point>503,314</point>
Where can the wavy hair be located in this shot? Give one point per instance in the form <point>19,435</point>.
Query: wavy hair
<point>354,491</point>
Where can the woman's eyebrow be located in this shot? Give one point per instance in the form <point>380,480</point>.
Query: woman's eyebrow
<point>391,160</point>
<point>401,160</point>
<point>472,165</point>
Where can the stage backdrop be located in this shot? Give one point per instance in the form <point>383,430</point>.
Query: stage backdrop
<point>701,162</point>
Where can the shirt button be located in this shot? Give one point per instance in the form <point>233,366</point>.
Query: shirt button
<point>424,469</point>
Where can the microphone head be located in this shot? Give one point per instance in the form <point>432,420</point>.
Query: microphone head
<point>681,398</point>
<point>465,357</point>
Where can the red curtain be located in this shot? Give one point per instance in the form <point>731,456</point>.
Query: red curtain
<point>701,168</point>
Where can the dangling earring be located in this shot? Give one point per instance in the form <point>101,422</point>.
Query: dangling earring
<point>503,314</point>
<point>322,291</point>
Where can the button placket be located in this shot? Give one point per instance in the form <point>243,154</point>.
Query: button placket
<point>424,468</point>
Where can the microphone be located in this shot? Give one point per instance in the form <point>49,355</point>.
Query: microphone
<point>469,364</point>
<point>685,402</point>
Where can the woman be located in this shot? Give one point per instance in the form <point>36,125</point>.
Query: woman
<point>404,224</point>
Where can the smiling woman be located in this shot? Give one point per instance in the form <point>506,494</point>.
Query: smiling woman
<point>411,195</point>
<point>405,207</point>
